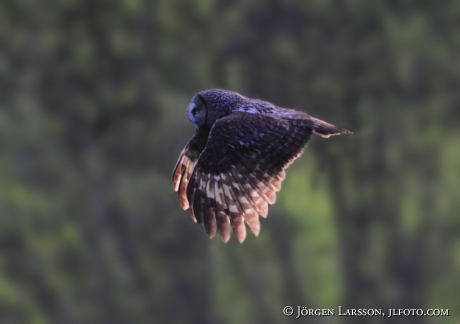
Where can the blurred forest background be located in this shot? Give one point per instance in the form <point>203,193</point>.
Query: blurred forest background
<point>92,119</point>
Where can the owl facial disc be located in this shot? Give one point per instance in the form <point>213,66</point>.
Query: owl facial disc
<point>197,112</point>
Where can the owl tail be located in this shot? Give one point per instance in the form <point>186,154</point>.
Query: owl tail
<point>326,130</point>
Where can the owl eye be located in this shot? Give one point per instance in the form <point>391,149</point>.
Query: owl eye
<point>195,111</point>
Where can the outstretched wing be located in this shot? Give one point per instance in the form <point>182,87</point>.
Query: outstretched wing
<point>241,168</point>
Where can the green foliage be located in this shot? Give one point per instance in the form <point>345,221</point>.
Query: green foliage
<point>92,119</point>
<point>308,202</point>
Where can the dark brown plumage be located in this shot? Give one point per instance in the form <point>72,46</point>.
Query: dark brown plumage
<point>231,169</point>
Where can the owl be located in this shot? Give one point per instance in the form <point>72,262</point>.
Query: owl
<point>230,171</point>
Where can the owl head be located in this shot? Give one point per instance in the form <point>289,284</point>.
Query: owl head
<point>209,105</point>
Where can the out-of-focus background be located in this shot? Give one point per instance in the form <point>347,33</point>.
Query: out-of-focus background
<point>92,119</point>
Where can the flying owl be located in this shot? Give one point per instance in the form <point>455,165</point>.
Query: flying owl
<point>231,169</point>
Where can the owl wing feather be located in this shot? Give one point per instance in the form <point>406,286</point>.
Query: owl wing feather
<point>240,170</point>
<point>227,176</point>
<point>185,166</point>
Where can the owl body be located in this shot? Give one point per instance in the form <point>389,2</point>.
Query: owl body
<point>230,171</point>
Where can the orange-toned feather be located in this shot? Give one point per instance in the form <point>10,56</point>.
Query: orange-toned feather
<point>181,177</point>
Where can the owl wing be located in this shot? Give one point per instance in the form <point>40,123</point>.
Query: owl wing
<point>186,163</point>
<point>241,168</point>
